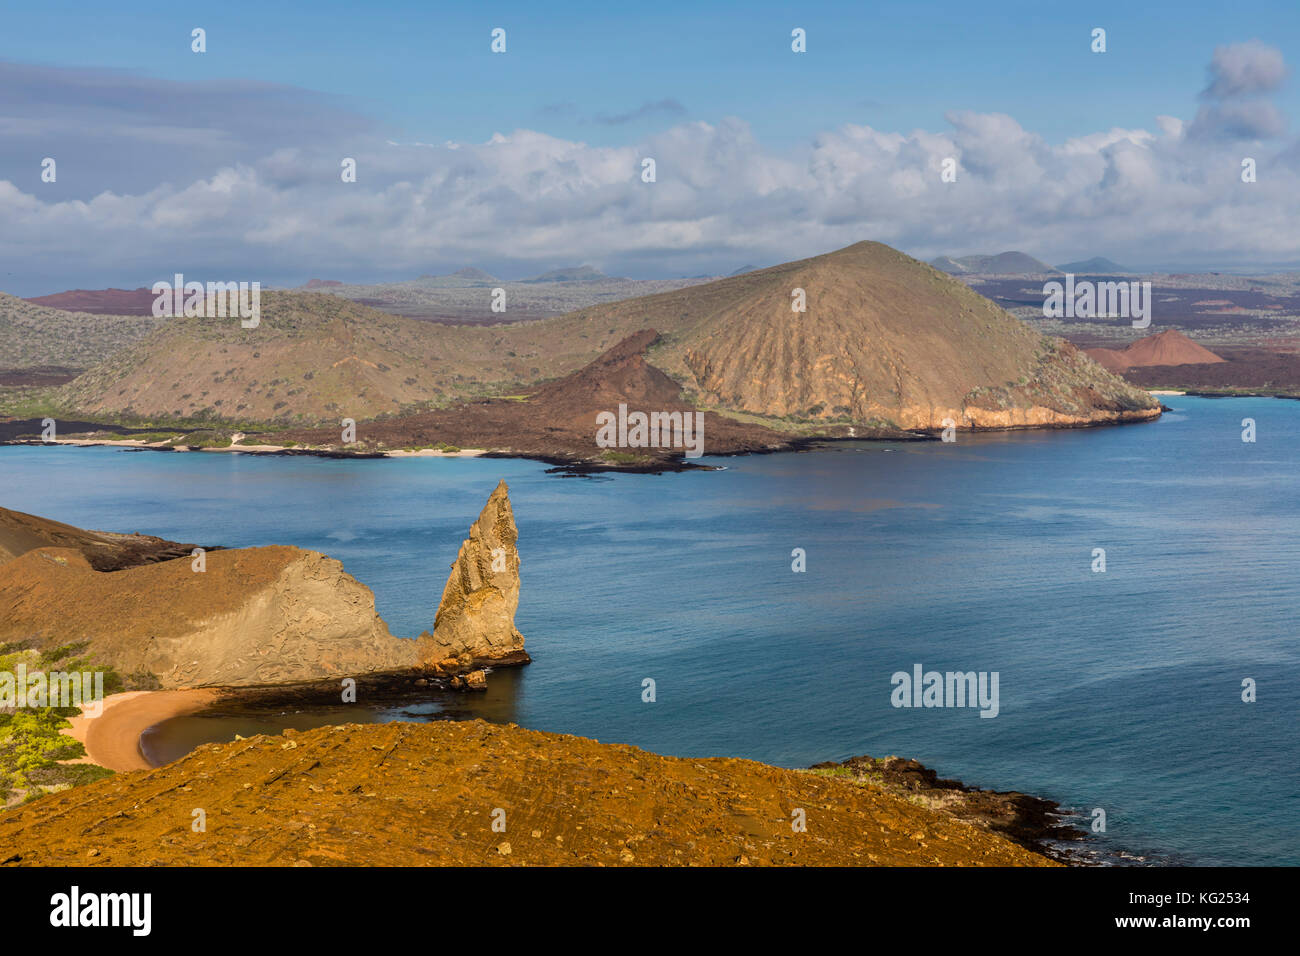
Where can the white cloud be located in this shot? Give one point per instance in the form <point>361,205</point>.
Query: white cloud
<point>527,198</point>
<point>1242,69</point>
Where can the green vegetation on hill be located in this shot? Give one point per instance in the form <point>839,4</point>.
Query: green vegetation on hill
<point>32,748</point>
<point>36,335</point>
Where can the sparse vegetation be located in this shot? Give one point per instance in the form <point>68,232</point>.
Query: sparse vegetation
<point>36,335</point>
<point>32,748</point>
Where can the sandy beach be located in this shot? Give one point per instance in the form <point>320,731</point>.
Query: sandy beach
<point>395,453</point>
<point>435,453</point>
<point>112,739</point>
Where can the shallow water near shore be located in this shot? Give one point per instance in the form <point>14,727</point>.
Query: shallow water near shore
<point>1118,690</point>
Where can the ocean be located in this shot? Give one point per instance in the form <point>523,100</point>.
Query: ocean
<point>1118,690</point>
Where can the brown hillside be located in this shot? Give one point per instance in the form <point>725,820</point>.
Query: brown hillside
<point>103,550</point>
<point>1169,347</point>
<point>424,794</point>
<point>255,615</point>
<point>100,301</point>
<point>312,357</point>
<point>37,336</point>
<point>246,615</point>
<point>558,421</point>
<point>886,340</point>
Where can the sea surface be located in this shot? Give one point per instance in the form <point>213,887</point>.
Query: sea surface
<point>1119,691</point>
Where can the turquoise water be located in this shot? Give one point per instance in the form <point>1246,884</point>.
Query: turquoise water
<point>1118,690</point>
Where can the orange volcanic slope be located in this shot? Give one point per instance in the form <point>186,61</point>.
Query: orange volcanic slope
<point>1169,347</point>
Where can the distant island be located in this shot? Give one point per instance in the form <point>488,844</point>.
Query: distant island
<point>864,342</point>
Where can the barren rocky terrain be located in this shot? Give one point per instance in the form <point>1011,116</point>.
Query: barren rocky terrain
<point>465,297</point>
<point>557,422</point>
<point>1167,347</point>
<point>885,341</point>
<point>102,550</point>
<point>429,794</point>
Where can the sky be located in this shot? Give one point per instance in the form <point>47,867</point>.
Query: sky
<point>226,164</point>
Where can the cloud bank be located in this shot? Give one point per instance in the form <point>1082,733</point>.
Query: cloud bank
<point>244,180</point>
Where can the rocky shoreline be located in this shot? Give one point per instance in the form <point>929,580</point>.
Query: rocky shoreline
<point>473,633</point>
<point>1036,823</point>
<point>566,464</point>
<point>49,570</point>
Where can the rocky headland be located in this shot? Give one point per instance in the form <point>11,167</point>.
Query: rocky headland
<point>247,616</point>
<point>280,625</point>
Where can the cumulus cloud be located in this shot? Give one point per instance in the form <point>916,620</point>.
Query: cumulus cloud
<point>1243,69</point>
<point>525,200</point>
<point>1241,76</point>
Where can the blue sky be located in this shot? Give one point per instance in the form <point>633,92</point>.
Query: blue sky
<point>425,69</point>
<point>115,90</point>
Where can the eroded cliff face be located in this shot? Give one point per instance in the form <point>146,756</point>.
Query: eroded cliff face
<point>475,624</point>
<point>1066,389</point>
<point>252,616</point>
<point>884,340</point>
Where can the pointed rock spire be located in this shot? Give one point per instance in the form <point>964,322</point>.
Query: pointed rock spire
<point>475,623</point>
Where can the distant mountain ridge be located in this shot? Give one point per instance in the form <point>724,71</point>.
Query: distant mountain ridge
<point>569,274</point>
<point>885,341</point>
<point>1097,265</point>
<point>100,301</point>
<point>476,275</point>
<point>1004,263</point>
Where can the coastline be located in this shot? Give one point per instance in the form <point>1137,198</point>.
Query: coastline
<point>569,465</point>
<point>112,739</point>
<point>352,794</point>
<point>257,449</point>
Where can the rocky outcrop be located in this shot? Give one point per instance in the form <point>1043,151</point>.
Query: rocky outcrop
<point>248,616</point>
<point>369,794</point>
<point>251,616</point>
<point>475,624</point>
<point>104,550</point>
<point>1033,822</point>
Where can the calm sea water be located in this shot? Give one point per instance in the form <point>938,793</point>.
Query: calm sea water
<point>1118,690</point>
